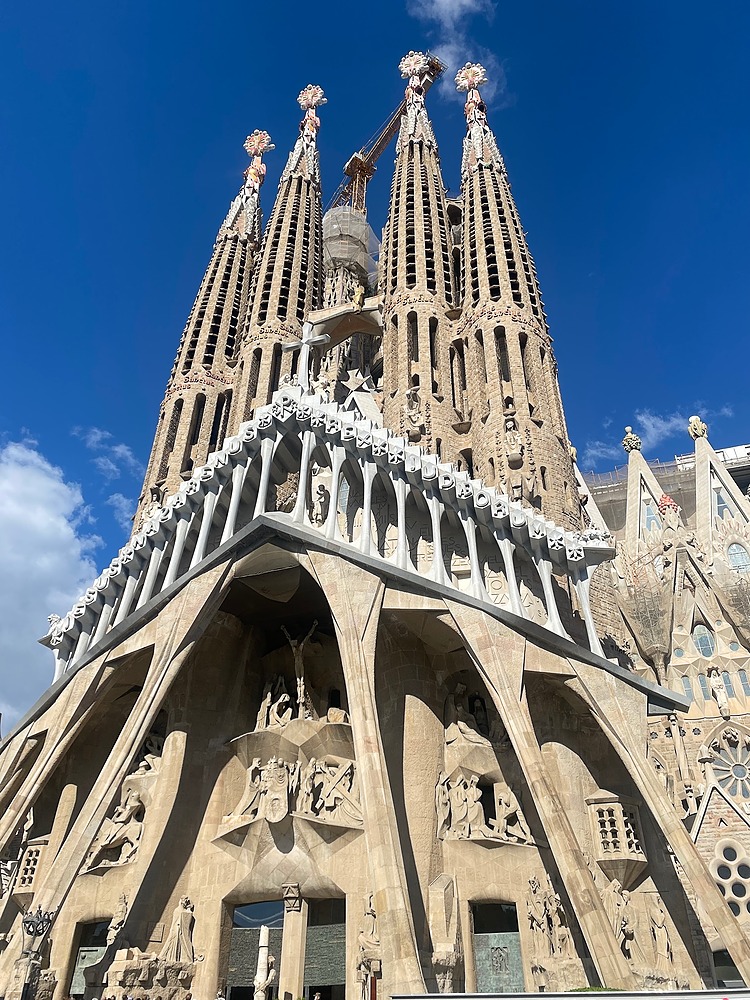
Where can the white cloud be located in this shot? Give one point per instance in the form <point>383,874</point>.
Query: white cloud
<point>448,13</point>
<point>45,564</point>
<point>595,452</point>
<point>455,53</point>
<point>112,459</point>
<point>123,508</point>
<point>653,429</point>
<point>106,467</point>
<point>448,20</point>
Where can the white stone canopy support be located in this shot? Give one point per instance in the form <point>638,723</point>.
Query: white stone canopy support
<point>237,485</point>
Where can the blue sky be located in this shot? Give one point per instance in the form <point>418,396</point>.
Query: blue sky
<point>624,129</point>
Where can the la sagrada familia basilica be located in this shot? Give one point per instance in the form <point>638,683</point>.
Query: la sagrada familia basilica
<point>373,702</point>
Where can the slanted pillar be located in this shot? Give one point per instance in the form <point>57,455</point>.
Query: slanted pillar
<point>355,598</point>
<point>499,653</point>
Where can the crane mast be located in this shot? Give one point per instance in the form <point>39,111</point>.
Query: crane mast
<point>360,166</point>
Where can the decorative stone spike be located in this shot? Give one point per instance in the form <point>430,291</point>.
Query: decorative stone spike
<point>631,441</point>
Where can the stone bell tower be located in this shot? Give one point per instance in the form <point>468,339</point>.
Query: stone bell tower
<point>417,278</point>
<point>502,367</point>
<point>194,413</point>
<point>288,280</point>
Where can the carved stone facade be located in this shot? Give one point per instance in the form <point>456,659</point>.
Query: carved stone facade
<point>338,718</point>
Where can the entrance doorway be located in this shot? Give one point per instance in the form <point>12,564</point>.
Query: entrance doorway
<point>325,950</point>
<point>497,948</point>
<point>243,953</point>
<point>92,943</point>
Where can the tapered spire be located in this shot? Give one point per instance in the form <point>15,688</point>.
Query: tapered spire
<point>194,413</point>
<point>288,280</point>
<point>416,275</point>
<point>516,424</point>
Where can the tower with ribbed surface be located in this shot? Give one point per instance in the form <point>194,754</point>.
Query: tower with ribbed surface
<point>288,280</point>
<point>194,413</point>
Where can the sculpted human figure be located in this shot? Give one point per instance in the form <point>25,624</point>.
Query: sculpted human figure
<point>476,822</point>
<point>716,683</point>
<point>250,802</point>
<point>442,804</point>
<point>281,712</point>
<point>117,922</point>
<point>321,504</point>
<point>538,923</point>
<point>122,830</point>
<point>308,796</point>
<point>459,808</point>
<point>611,896</point>
<point>660,936</point>
<point>509,815</point>
<point>458,721</point>
<point>265,706</point>
<point>179,944</point>
<point>629,943</point>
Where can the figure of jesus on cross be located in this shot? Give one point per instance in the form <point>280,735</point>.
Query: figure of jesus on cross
<point>298,651</point>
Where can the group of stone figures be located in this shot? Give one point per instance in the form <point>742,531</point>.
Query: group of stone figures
<point>620,909</point>
<point>326,790</point>
<point>277,707</point>
<point>548,923</point>
<point>461,815</point>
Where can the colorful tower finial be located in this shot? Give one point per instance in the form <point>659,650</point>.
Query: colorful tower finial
<point>480,145</point>
<point>631,441</point>
<point>256,144</point>
<point>305,149</point>
<point>415,125</point>
<point>470,77</point>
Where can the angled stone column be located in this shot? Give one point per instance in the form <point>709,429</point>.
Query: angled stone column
<point>619,732</point>
<point>499,655</point>
<point>355,597</point>
<point>72,708</point>
<point>184,621</point>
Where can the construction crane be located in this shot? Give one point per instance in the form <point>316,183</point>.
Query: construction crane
<point>361,166</point>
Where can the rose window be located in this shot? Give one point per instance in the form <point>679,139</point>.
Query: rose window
<point>731,765</point>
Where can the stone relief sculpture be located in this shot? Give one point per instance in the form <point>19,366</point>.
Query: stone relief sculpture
<point>660,937</point>
<point>548,923</point>
<point>460,724</point>
<point>719,691</point>
<point>117,922</point>
<point>697,428</point>
<point>620,909</point>
<point>323,790</point>
<point>276,708</point>
<point>461,815</point>
<point>304,708</point>
<point>151,754</point>
<point>179,944</point>
<point>119,836</point>
<point>510,821</point>
<point>414,419</point>
<point>321,504</point>
<point>629,943</point>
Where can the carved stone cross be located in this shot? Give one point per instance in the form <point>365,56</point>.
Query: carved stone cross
<point>304,346</point>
